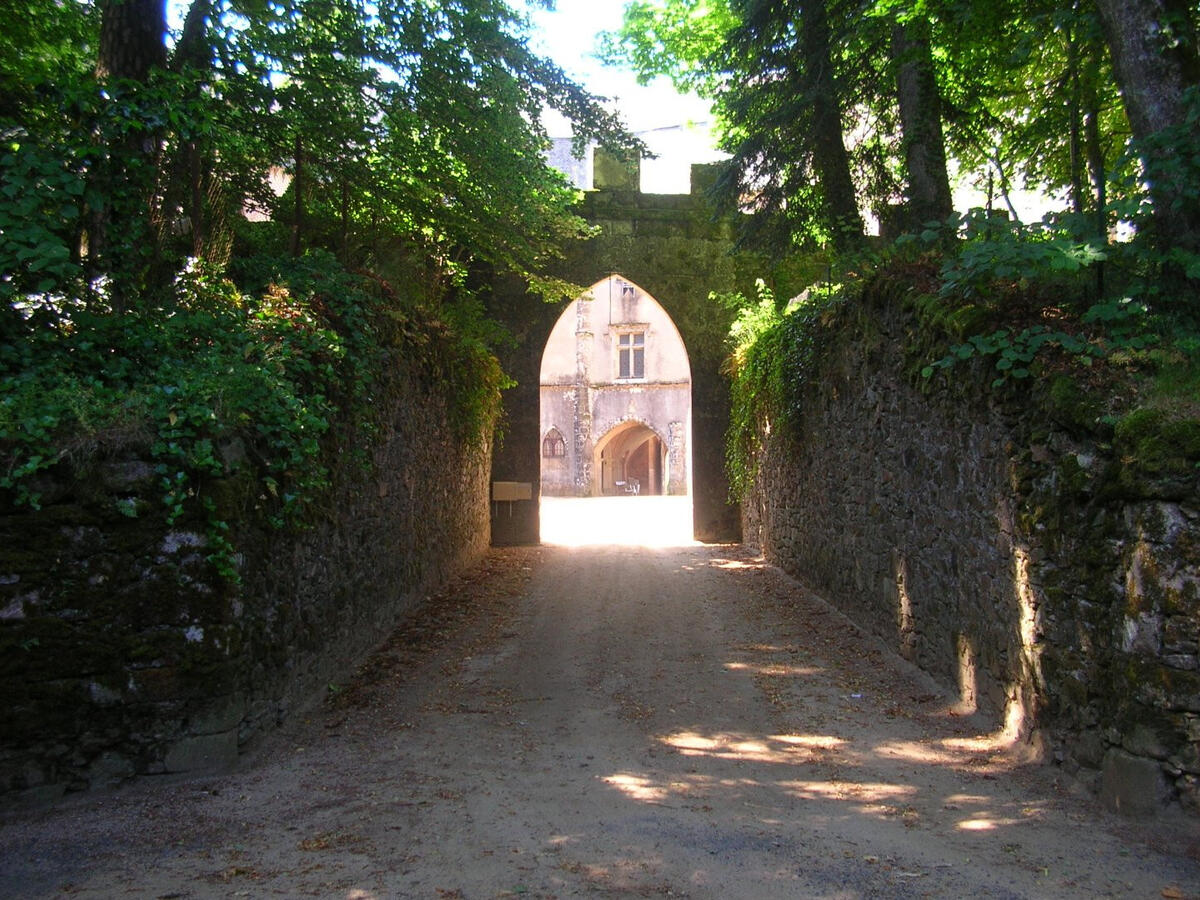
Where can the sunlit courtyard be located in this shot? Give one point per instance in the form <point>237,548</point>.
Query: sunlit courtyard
<point>626,521</point>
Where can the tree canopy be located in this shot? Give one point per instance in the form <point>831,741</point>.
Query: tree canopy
<point>401,128</point>
<point>1056,95</point>
<point>228,236</point>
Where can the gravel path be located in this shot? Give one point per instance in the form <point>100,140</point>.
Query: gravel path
<point>620,722</point>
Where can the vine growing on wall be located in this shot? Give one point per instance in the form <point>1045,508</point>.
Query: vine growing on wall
<point>229,383</point>
<point>773,349</point>
<point>382,151</point>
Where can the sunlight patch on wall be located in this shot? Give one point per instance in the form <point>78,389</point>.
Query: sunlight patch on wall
<point>968,694</point>
<point>1017,715</point>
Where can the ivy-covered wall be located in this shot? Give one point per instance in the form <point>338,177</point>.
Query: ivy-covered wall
<point>1042,562</point>
<point>124,652</point>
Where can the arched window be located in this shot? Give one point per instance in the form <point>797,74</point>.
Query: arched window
<point>553,444</point>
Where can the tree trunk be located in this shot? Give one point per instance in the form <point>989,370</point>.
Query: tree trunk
<point>131,48</point>
<point>921,123</point>
<point>298,198</point>
<point>344,210</point>
<point>1154,62</point>
<point>183,185</point>
<point>829,150</point>
<point>131,38</point>
<point>1092,140</point>
<point>192,49</point>
<point>1097,168</point>
<point>1153,46</point>
<point>1075,118</point>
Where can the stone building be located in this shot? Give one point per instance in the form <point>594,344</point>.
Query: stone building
<point>616,397</point>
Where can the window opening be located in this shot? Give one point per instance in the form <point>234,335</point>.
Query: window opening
<point>553,445</point>
<point>631,355</point>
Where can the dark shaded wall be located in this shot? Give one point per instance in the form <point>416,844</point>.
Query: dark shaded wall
<point>1043,565</point>
<point>122,651</point>
<point>673,248</point>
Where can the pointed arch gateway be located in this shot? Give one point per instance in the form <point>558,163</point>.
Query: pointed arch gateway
<point>616,385</point>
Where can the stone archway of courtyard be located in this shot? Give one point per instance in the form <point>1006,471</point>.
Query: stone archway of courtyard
<point>674,249</point>
<point>632,458</point>
<point>615,397</point>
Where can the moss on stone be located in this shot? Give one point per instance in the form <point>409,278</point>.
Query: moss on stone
<point>1153,442</point>
<point>1074,479</point>
<point>46,648</point>
<point>1072,406</point>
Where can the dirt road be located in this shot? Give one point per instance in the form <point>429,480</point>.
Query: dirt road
<point>575,721</point>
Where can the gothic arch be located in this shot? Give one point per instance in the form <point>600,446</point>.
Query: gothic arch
<point>554,445</point>
<point>632,458</point>
<point>616,369</point>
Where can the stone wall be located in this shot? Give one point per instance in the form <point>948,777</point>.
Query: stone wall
<point>122,651</point>
<point>1041,563</point>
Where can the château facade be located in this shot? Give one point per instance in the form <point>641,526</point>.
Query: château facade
<point>615,397</point>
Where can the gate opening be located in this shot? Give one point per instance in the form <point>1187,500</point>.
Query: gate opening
<point>615,416</point>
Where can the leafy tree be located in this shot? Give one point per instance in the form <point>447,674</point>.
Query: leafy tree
<point>133,290</point>
<point>1037,108</point>
<point>790,81</point>
<point>1157,64</point>
<point>784,126</point>
<point>397,123</point>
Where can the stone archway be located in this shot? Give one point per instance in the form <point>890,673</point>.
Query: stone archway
<point>632,458</point>
<point>677,251</point>
<point>615,382</point>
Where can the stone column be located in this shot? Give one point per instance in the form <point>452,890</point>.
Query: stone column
<point>582,437</point>
<point>653,462</point>
<point>677,476</point>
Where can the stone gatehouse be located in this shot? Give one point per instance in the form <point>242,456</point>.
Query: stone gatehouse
<point>615,397</point>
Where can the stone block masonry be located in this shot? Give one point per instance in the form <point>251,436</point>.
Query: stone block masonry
<point>1045,568</point>
<point>123,652</point>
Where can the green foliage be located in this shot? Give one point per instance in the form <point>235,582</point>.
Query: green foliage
<point>1014,352</point>
<point>773,352</point>
<point>227,384</point>
<point>997,250</point>
<point>677,39</point>
<point>43,200</point>
<point>1027,296</point>
<point>138,306</point>
<point>1028,98</point>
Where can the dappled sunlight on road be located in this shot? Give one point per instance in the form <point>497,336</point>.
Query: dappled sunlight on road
<point>773,669</point>
<point>776,748</point>
<point>937,753</point>
<point>880,783</point>
<point>639,787</point>
<point>866,796</point>
<point>626,521</point>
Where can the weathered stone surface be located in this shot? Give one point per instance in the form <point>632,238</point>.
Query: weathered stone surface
<point>220,715</point>
<point>122,650</point>
<point>999,543</point>
<point>202,753</point>
<point>110,769</point>
<point>1132,784</point>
